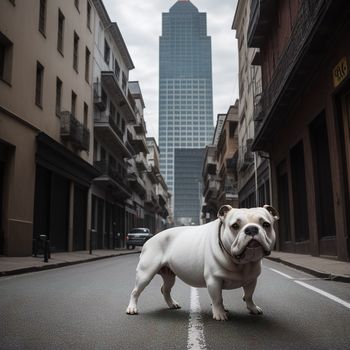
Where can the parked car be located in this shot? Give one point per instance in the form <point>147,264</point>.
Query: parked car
<point>138,237</point>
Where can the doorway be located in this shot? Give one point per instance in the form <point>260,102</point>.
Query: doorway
<point>323,186</point>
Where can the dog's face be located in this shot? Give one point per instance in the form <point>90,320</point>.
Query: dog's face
<point>248,232</point>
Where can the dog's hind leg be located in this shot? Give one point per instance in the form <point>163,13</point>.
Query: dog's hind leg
<point>146,270</point>
<point>168,283</point>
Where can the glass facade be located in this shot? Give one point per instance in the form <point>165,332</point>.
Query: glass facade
<point>188,185</point>
<point>185,86</point>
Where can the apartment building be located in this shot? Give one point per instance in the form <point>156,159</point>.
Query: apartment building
<point>157,201</point>
<point>303,123</point>
<point>114,109</point>
<point>72,133</point>
<point>220,175</point>
<point>45,117</point>
<point>253,167</point>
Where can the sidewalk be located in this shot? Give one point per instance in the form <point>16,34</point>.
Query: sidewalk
<point>19,265</point>
<point>319,267</point>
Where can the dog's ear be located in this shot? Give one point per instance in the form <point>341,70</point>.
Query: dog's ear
<point>272,211</point>
<point>223,211</point>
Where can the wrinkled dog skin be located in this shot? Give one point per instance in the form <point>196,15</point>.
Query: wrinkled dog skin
<point>223,254</point>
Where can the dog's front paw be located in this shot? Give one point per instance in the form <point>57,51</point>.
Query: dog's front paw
<point>174,305</point>
<point>132,310</point>
<point>255,310</point>
<point>220,314</point>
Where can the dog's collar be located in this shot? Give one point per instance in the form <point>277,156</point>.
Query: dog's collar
<point>221,244</point>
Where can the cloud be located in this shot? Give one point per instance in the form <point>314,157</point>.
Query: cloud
<point>140,24</point>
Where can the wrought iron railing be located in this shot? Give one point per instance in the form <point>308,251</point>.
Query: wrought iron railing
<point>308,14</point>
<point>75,132</point>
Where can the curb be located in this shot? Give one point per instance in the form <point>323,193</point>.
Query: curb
<point>60,264</point>
<point>316,273</point>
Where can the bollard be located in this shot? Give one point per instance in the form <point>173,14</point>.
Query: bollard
<point>35,247</point>
<point>46,247</point>
<point>92,231</point>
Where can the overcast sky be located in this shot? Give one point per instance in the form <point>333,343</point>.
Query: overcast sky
<point>140,24</point>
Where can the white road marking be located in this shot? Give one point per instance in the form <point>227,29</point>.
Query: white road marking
<point>281,273</point>
<point>325,294</point>
<point>314,289</point>
<point>195,340</point>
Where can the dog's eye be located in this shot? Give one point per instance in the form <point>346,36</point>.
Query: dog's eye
<point>266,224</point>
<point>235,226</point>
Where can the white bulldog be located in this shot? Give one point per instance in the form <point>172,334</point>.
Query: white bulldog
<point>223,254</point>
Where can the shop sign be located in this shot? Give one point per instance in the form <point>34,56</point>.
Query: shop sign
<point>340,71</point>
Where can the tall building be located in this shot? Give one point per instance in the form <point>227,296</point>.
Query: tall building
<point>185,85</point>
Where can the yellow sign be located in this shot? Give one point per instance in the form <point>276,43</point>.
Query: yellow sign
<point>340,71</point>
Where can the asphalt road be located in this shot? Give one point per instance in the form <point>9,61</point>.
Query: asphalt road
<point>83,307</point>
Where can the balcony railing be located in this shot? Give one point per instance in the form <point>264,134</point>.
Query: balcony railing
<point>141,162</point>
<point>108,119</point>
<point>100,98</point>
<point>118,175</point>
<point>247,156</point>
<point>75,132</point>
<point>308,15</point>
<point>210,162</point>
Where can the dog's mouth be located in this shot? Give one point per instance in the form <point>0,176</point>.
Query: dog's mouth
<point>252,244</point>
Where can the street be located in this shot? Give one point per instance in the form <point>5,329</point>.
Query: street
<point>83,307</point>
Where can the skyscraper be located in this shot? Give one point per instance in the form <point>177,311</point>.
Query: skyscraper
<point>185,85</point>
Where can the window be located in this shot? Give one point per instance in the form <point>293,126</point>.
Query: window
<point>76,51</point>
<point>76,3</point>
<point>73,104</point>
<point>112,110</point>
<point>58,95</point>
<point>124,82</point>
<point>87,65</point>
<point>42,16</point>
<point>86,115</point>
<point>60,32</point>
<point>116,69</point>
<point>123,125</point>
<point>88,15</point>
<point>6,49</point>
<point>107,52</point>
<point>39,84</point>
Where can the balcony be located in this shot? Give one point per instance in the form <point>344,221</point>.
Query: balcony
<point>247,157</point>
<point>74,132</point>
<point>112,179</point>
<point>231,163</point>
<point>304,50</point>
<point>141,162</point>
<point>152,173</point>
<point>210,162</point>
<point>137,184</point>
<point>100,97</point>
<point>261,17</point>
<point>138,142</point>
<point>229,191</point>
<point>140,126</point>
<point>212,188</point>
<point>108,131</point>
<point>110,82</point>
<point>151,199</point>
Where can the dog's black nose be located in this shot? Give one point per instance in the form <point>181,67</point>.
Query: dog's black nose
<point>251,230</point>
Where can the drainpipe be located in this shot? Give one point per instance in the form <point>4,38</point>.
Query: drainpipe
<point>256,179</point>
